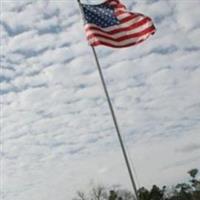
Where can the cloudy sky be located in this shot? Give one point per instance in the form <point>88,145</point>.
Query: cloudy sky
<point>57,133</point>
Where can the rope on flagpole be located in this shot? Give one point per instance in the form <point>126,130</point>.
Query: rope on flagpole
<point>113,115</point>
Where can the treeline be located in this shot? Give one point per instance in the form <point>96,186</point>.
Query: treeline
<point>183,191</point>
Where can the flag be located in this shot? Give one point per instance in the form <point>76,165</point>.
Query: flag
<point>110,24</point>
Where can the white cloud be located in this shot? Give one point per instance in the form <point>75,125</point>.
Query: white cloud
<point>57,132</point>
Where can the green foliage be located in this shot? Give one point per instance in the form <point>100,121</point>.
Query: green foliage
<point>113,195</point>
<point>143,193</point>
<point>193,172</point>
<point>182,191</point>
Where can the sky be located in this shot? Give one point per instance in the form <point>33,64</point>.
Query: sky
<point>57,134</point>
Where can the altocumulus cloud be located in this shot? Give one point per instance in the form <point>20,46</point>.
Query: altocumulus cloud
<point>57,134</point>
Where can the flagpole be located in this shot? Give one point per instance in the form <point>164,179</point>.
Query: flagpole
<point>113,116</point>
<point>116,124</point>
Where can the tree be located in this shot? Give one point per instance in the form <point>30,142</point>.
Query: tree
<point>113,195</point>
<point>125,194</point>
<point>99,193</point>
<point>193,173</point>
<point>182,191</point>
<point>195,184</point>
<point>143,194</point>
<point>156,193</point>
<point>80,196</point>
<point>96,193</point>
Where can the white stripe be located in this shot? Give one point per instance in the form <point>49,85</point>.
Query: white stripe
<point>121,34</point>
<point>120,9</point>
<point>122,43</point>
<point>122,16</point>
<point>113,3</point>
<point>122,25</point>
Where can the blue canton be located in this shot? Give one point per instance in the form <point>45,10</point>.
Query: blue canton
<point>101,15</point>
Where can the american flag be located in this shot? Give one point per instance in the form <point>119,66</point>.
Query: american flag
<point>110,24</point>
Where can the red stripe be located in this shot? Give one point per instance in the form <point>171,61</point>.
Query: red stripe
<point>126,19</point>
<point>120,6</point>
<point>119,12</point>
<point>117,4</point>
<point>118,30</point>
<point>119,46</point>
<point>115,46</point>
<point>125,37</point>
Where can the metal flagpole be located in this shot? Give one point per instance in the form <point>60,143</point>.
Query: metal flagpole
<point>113,115</point>
<point>116,124</point>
